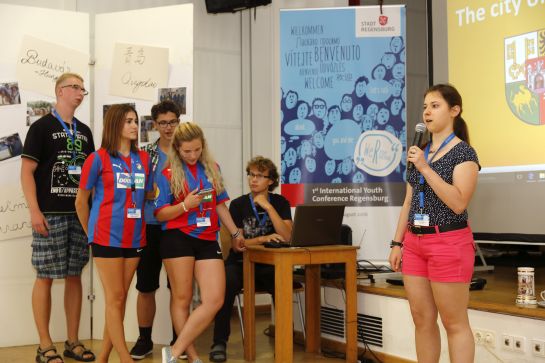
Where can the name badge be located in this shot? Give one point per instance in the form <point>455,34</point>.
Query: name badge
<point>134,213</point>
<point>74,169</point>
<point>422,220</point>
<point>203,222</point>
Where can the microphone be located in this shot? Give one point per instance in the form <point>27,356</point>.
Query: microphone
<point>419,129</point>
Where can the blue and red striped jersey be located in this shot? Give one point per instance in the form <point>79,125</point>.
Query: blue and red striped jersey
<point>112,178</point>
<point>187,222</point>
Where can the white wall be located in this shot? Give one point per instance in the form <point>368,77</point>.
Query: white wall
<point>440,41</point>
<point>398,328</point>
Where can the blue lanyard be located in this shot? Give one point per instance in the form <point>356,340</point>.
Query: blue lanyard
<point>70,134</point>
<point>426,153</point>
<point>130,171</point>
<point>263,220</point>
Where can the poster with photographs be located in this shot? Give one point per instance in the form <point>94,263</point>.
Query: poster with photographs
<point>9,94</point>
<point>148,134</point>
<point>106,107</point>
<point>36,110</point>
<point>10,146</point>
<point>176,95</point>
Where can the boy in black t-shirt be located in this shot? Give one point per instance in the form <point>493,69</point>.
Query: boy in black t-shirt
<point>263,217</point>
<point>55,148</point>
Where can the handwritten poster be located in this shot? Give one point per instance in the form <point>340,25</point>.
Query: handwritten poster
<point>14,214</point>
<point>343,117</point>
<point>40,63</point>
<point>138,71</point>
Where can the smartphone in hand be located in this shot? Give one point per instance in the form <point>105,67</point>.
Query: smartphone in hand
<point>206,194</point>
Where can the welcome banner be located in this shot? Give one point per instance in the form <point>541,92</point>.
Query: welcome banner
<point>343,126</point>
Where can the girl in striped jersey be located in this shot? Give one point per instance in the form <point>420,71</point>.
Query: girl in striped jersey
<point>190,202</point>
<point>119,175</point>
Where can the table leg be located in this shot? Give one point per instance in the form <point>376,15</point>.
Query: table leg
<point>283,311</point>
<point>249,308</point>
<point>351,323</point>
<point>312,308</point>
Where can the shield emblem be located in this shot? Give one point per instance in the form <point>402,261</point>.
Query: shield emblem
<point>524,59</point>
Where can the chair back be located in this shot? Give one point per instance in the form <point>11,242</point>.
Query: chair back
<point>225,241</point>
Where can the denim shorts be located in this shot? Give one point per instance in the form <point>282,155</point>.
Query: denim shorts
<point>64,252</point>
<point>441,257</point>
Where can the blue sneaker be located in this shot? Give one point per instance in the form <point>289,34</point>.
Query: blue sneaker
<point>167,357</point>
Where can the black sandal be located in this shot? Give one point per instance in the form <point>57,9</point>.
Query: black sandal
<point>218,352</point>
<point>41,356</point>
<point>69,352</point>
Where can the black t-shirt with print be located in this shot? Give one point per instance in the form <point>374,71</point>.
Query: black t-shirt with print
<point>244,217</point>
<point>48,144</point>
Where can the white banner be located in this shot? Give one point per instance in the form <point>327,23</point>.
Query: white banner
<point>14,214</point>
<point>138,70</point>
<point>40,63</point>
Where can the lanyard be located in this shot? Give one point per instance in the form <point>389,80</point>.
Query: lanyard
<point>263,220</point>
<point>71,134</point>
<point>426,154</point>
<point>130,171</point>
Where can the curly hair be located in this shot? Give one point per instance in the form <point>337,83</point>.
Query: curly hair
<point>264,165</point>
<point>164,107</point>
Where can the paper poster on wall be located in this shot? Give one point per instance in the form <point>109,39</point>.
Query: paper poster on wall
<point>138,70</point>
<point>176,95</point>
<point>10,146</point>
<point>40,63</point>
<point>343,117</point>
<point>35,110</point>
<point>14,215</point>
<point>9,94</point>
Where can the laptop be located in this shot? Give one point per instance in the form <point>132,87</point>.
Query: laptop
<point>317,225</point>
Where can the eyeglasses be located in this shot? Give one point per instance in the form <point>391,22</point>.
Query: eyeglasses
<point>258,177</point>
<point>77,88</point>
<point>318,106</point>
<point>165,124</point>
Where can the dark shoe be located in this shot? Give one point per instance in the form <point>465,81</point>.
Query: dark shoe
<point>42,357</point>
<point>218,352</point>
<point>81,355</point>
<point>142,348</point>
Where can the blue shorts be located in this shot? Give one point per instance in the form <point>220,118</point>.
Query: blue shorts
<point>64,252</point>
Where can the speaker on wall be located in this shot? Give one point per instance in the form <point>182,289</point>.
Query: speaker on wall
<point>230,6</point>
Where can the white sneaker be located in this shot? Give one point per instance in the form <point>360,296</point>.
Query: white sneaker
<point>166,353</point>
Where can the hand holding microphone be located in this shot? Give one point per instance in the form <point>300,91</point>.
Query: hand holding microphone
<point>419,129</point>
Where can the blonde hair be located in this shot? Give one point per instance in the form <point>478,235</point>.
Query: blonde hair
<point>186,132</point>
<point>63,77</point>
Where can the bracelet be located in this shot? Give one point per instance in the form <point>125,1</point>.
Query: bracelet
<point>236,234</point>
<point>183,206</point>
<point>396,244</point>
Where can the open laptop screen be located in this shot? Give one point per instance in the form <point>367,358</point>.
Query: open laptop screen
<point>317,225</point>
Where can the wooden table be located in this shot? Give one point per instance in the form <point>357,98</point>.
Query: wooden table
<point>283,260</point>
